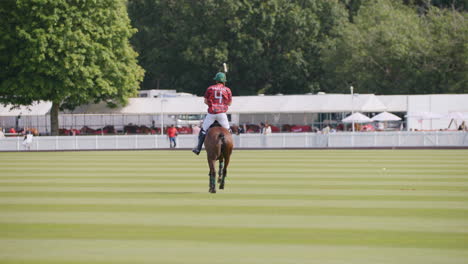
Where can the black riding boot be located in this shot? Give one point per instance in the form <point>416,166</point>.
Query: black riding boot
<point>201,139</point>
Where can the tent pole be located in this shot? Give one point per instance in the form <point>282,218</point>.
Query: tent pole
<point>352,104</point>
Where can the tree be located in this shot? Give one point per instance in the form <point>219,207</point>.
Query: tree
<point>271,46</point>
<point>446,68</point>
<point>392,49</point>
<point>179,42</point>
<point>69,52</point>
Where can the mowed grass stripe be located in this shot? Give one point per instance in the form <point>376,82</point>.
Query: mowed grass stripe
<point>293,210</point>
<point>405,223</point>
<point>110,177</point>
<point>379,195</point>
<point>239,173</point>
<point>304,183</point>
<point>188,187</point>
<point>246,235</point>
<point>143,251</point>
<point>239,193</point>
<point>356,204</point>
<point>310,165</point>
<point>248,162</point>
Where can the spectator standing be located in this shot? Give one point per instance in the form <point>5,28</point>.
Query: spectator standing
<point>2,135</point>
<point>195,130</point>
<point>262,128</point>
<point>28,139</point>
<point>266,129</point>
<point>326,130</point>
<point>380,126</point>
<point>172,134</point>
<point>462,126</point>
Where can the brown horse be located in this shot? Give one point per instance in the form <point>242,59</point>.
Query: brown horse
<point>218,146</point>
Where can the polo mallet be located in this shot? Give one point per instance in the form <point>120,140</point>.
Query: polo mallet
<point>225,67</point>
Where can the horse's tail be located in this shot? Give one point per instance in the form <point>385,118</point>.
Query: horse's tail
<point>222,140</point>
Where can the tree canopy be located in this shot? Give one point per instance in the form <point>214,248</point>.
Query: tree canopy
<point>391,49</point>
<point>270,46</point>
<point>69,52</point>
<point>294,47</point>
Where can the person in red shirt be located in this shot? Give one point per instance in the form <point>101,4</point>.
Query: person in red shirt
<point>218,97</point>
<point>172,134</point>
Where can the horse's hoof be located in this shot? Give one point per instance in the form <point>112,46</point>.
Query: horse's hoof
<point>212,191</point>
<point>221,187</point>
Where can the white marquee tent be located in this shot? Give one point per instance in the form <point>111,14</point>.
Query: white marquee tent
<point>307,105</point>
<point>36,109</point>
<point>244,105</point>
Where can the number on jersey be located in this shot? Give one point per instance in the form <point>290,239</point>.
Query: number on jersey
<point>218,95</point>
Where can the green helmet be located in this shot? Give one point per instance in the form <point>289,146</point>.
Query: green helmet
<point>220,77</point>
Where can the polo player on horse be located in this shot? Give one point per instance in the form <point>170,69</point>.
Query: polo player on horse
<point>218,97</point>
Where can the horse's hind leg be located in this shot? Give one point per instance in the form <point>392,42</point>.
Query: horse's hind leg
<point>212,175</point>
<point>220,170</point>
<point>224,172</point>
<point>223,178</point>
<point>212,183</point>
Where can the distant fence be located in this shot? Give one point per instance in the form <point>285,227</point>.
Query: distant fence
<point>277,140</point>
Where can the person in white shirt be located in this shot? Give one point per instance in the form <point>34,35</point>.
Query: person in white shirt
<point>28,139</point>
<point>267,129</point>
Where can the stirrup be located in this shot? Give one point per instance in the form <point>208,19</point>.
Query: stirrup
<point>196,151</point>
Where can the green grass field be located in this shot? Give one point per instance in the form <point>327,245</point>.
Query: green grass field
<point>279,206</point>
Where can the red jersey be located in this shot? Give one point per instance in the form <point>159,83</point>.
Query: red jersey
<point>219,98</point>
<point>171,132</point>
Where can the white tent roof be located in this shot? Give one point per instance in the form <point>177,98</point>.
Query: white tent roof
<point>36,109</point>
<point>424,115</point>
<point>386,116</point>
<point>394,103</point>
<point>320,103</point>
<point>245,105</point>
<point>357,118</point>
<point>457,116</point>
<point>140,106</point>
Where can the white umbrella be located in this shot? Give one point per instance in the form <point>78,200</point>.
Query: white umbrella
<point>357,118</point>
<point>386,116</point>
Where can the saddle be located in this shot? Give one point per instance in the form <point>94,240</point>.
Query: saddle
<point>215,124</point>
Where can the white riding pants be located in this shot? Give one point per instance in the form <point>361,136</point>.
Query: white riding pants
<point>210,118</point>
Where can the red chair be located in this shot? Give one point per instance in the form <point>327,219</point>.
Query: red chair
<point>301,129</point>
<point>275,129</point>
